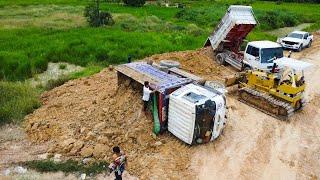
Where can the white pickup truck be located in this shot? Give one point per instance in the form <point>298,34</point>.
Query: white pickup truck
<point>297,40</point>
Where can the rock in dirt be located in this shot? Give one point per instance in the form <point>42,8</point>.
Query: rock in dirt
<point>100,150</point>
<point>20,170</point>
<point>86,151</point>
<point>56,157</point>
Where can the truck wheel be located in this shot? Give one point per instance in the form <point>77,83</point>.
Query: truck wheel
<point>247,68</point>
<point>309,44</point>
<point>169,63</point>
<point>220,59</point>
<point>300,48</point>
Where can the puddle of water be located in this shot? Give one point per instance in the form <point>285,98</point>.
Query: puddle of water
<point>281,32</point>
<point>54,71</point>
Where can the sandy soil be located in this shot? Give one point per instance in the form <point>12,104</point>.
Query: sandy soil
<point>257,146</point>
<point>88,116</point>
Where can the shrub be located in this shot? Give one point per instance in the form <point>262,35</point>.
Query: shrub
<point>62,66</point>
<point>14,66</point>
<point>17,100</point>
<point>135,3</point>
<point>273,19</point>
<point>52,83</point>
<point>95,17</point>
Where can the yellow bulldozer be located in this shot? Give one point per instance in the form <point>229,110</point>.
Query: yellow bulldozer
<point>278,94</point>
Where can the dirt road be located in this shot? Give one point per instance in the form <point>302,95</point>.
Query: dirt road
<point>257,146</point>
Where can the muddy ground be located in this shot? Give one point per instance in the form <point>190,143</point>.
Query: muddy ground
<point>86,117</point>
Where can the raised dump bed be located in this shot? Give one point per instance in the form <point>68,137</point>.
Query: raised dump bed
<point>232,29</point>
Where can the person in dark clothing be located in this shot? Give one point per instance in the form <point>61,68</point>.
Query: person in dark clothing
<point>129,58</point>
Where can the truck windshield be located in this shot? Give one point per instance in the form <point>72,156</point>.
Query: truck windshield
<point>193,97</point>
<point>295,35</point>
<point>269,53</point>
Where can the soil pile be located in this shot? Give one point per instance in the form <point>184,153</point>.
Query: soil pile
<point>200,62</point>
<point>87,117</point>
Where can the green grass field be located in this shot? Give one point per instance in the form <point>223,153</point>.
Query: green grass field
<point>35,32</point>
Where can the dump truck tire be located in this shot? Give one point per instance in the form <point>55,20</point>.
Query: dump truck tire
<point>220,59</point>
<point>169,63</point>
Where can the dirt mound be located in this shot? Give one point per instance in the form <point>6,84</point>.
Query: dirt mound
<point>87,117</point>
<point>200,62</point>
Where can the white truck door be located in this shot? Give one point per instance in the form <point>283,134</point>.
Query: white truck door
<point>252,56</point>
<point>219,120</point>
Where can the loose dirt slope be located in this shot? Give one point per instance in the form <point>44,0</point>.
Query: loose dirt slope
<point>87,117</point>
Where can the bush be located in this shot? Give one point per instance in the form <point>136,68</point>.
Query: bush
<point>17,100</point>
<point>14,66</point>
<point>52,83</point>
<point>62,66</point>
<point>273,19</point>
<point>95,17</point>
<point>135,3</point>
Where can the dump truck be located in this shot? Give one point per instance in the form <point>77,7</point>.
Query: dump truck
<point>278,94</point>
<point>229,35</point>
<point>193,111</point>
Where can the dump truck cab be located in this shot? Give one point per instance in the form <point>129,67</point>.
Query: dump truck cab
<point>261,54</point>
<point>197,114</point>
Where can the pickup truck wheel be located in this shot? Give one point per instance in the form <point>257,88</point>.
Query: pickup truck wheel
<point>309,44</point>
<point>220,59</point>
<point>300,48</point>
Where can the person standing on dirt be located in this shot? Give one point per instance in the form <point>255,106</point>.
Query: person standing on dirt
<point>119,162</point>
<point>146,95</point>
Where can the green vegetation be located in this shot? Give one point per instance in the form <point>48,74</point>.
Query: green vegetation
<point>32,35</point>
<point>68,166</point>
<point>62,66</point>
<point>17,100</point>
<point>136,3</point>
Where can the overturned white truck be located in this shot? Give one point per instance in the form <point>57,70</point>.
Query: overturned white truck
<point>194,112</point>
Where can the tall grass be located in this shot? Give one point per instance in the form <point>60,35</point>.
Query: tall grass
<point>26,52</point>
<point>16,101</point>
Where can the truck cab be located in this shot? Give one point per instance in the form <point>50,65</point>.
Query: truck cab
<point>260,55</point>
<point>197,114</point>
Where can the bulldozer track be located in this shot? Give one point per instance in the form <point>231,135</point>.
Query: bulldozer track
<point>284,109</point>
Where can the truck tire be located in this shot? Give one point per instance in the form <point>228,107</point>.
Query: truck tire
<point>169,63</point>
<point>309,44</point>
<point>300,48</point>
<point>220,59</point>
<point>247,68</point>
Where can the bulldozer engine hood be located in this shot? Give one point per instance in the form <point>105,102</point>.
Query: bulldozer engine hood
<point>293,63</point>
